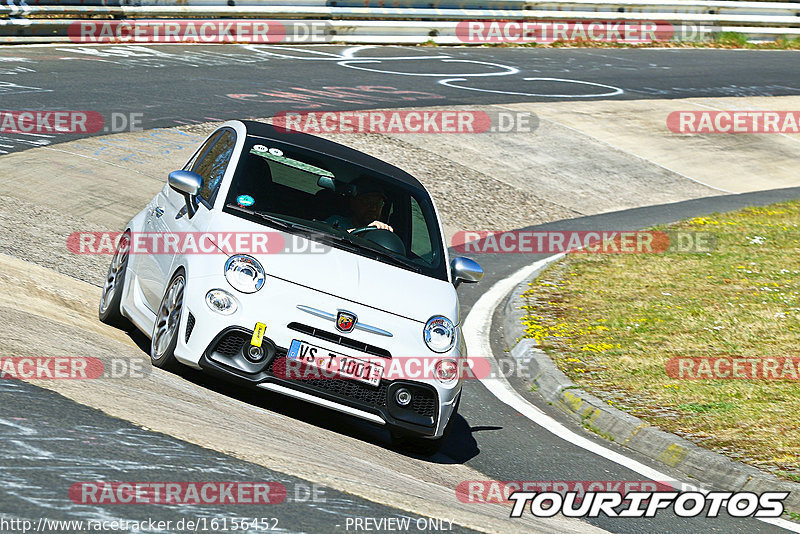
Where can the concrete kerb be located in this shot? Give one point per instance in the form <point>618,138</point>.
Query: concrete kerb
<point>710,469</point>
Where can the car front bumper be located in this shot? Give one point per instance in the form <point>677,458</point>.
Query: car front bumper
<point>375,404</point>
<point>217,344</point>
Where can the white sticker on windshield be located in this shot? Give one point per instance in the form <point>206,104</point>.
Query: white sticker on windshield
<point>260,148</point>
<point>276,151</point>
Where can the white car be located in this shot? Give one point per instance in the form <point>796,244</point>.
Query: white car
<point>353,280</point>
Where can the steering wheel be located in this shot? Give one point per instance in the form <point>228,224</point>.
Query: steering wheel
<point>363,229</point>
<point>384,238</point>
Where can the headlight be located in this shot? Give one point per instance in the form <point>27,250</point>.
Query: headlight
<point>244,273</point>
<point>439,334</point>
<point>221,301</point>
<point>446,371</point>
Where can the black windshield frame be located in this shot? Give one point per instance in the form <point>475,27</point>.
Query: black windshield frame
<point>344,171</point>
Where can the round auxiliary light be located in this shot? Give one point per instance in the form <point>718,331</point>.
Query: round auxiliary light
<point>403,397</point>
<point>221,301</point>
<point>254,354</point>
<point>446,371</point>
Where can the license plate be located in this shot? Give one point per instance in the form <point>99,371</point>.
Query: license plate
<point>335,365</point>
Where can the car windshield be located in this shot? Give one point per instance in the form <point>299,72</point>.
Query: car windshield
<point>337,202</point>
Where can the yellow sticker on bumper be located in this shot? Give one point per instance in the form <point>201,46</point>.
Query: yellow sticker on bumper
<point>258,334</point>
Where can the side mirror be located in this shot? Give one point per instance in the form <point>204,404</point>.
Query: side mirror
<point>188,184</point>
<point>465,270</point>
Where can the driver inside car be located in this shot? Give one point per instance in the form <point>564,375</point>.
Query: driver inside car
<point>365,210</point>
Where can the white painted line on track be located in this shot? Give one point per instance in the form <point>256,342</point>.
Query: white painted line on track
<point>614,90</point>
<point>34,134</point>
<point>476,331</point>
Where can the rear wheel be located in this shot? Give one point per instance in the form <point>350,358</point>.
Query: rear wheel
<point>110,311</point>
<point>168,319</point>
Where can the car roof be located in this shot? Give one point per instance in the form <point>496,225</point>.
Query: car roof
<point>325,147</point>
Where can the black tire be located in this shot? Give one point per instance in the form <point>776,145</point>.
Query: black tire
<point>410,442</point>
<point>109,310</point>
<point>168,320</point>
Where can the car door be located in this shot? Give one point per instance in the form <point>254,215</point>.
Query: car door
<point>168,217</point>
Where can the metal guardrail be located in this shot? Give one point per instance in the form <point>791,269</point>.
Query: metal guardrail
<point>680,6</point>
<point>366,13</point>
<point>366,32</point>
<point>49,20</point>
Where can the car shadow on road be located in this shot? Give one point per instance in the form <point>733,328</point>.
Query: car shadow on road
<point>459,447</point>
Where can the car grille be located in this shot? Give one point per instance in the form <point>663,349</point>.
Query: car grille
<point>424,404</point>
<point>189,326</point>
<point>340,340</point>
<point>424,401</point>
<point>350,389</point>
<point>231,343</point>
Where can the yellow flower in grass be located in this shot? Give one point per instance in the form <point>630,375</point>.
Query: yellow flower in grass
<point>597,347</point>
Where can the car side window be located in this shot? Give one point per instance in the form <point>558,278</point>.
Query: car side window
<point>420,237</point>
<point>212,162</point>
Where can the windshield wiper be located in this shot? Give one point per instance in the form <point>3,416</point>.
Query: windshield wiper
<point>340,239</point>
<point>344,241</point>
<point>283,223</point>
<point>289,225</point>
<point>397,260</point>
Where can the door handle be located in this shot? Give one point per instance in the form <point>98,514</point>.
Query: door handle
<point>157,212</point>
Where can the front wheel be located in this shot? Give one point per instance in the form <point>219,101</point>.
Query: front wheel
<point>110,311</point>
<point>168,319</point>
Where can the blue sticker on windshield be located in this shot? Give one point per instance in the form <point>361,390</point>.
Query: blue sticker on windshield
<point>245,200</point>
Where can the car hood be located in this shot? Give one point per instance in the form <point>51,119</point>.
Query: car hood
<point>356,278</point>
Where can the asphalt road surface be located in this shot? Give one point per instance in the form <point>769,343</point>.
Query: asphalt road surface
<point>162,86</point>
<point>49,441</point>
